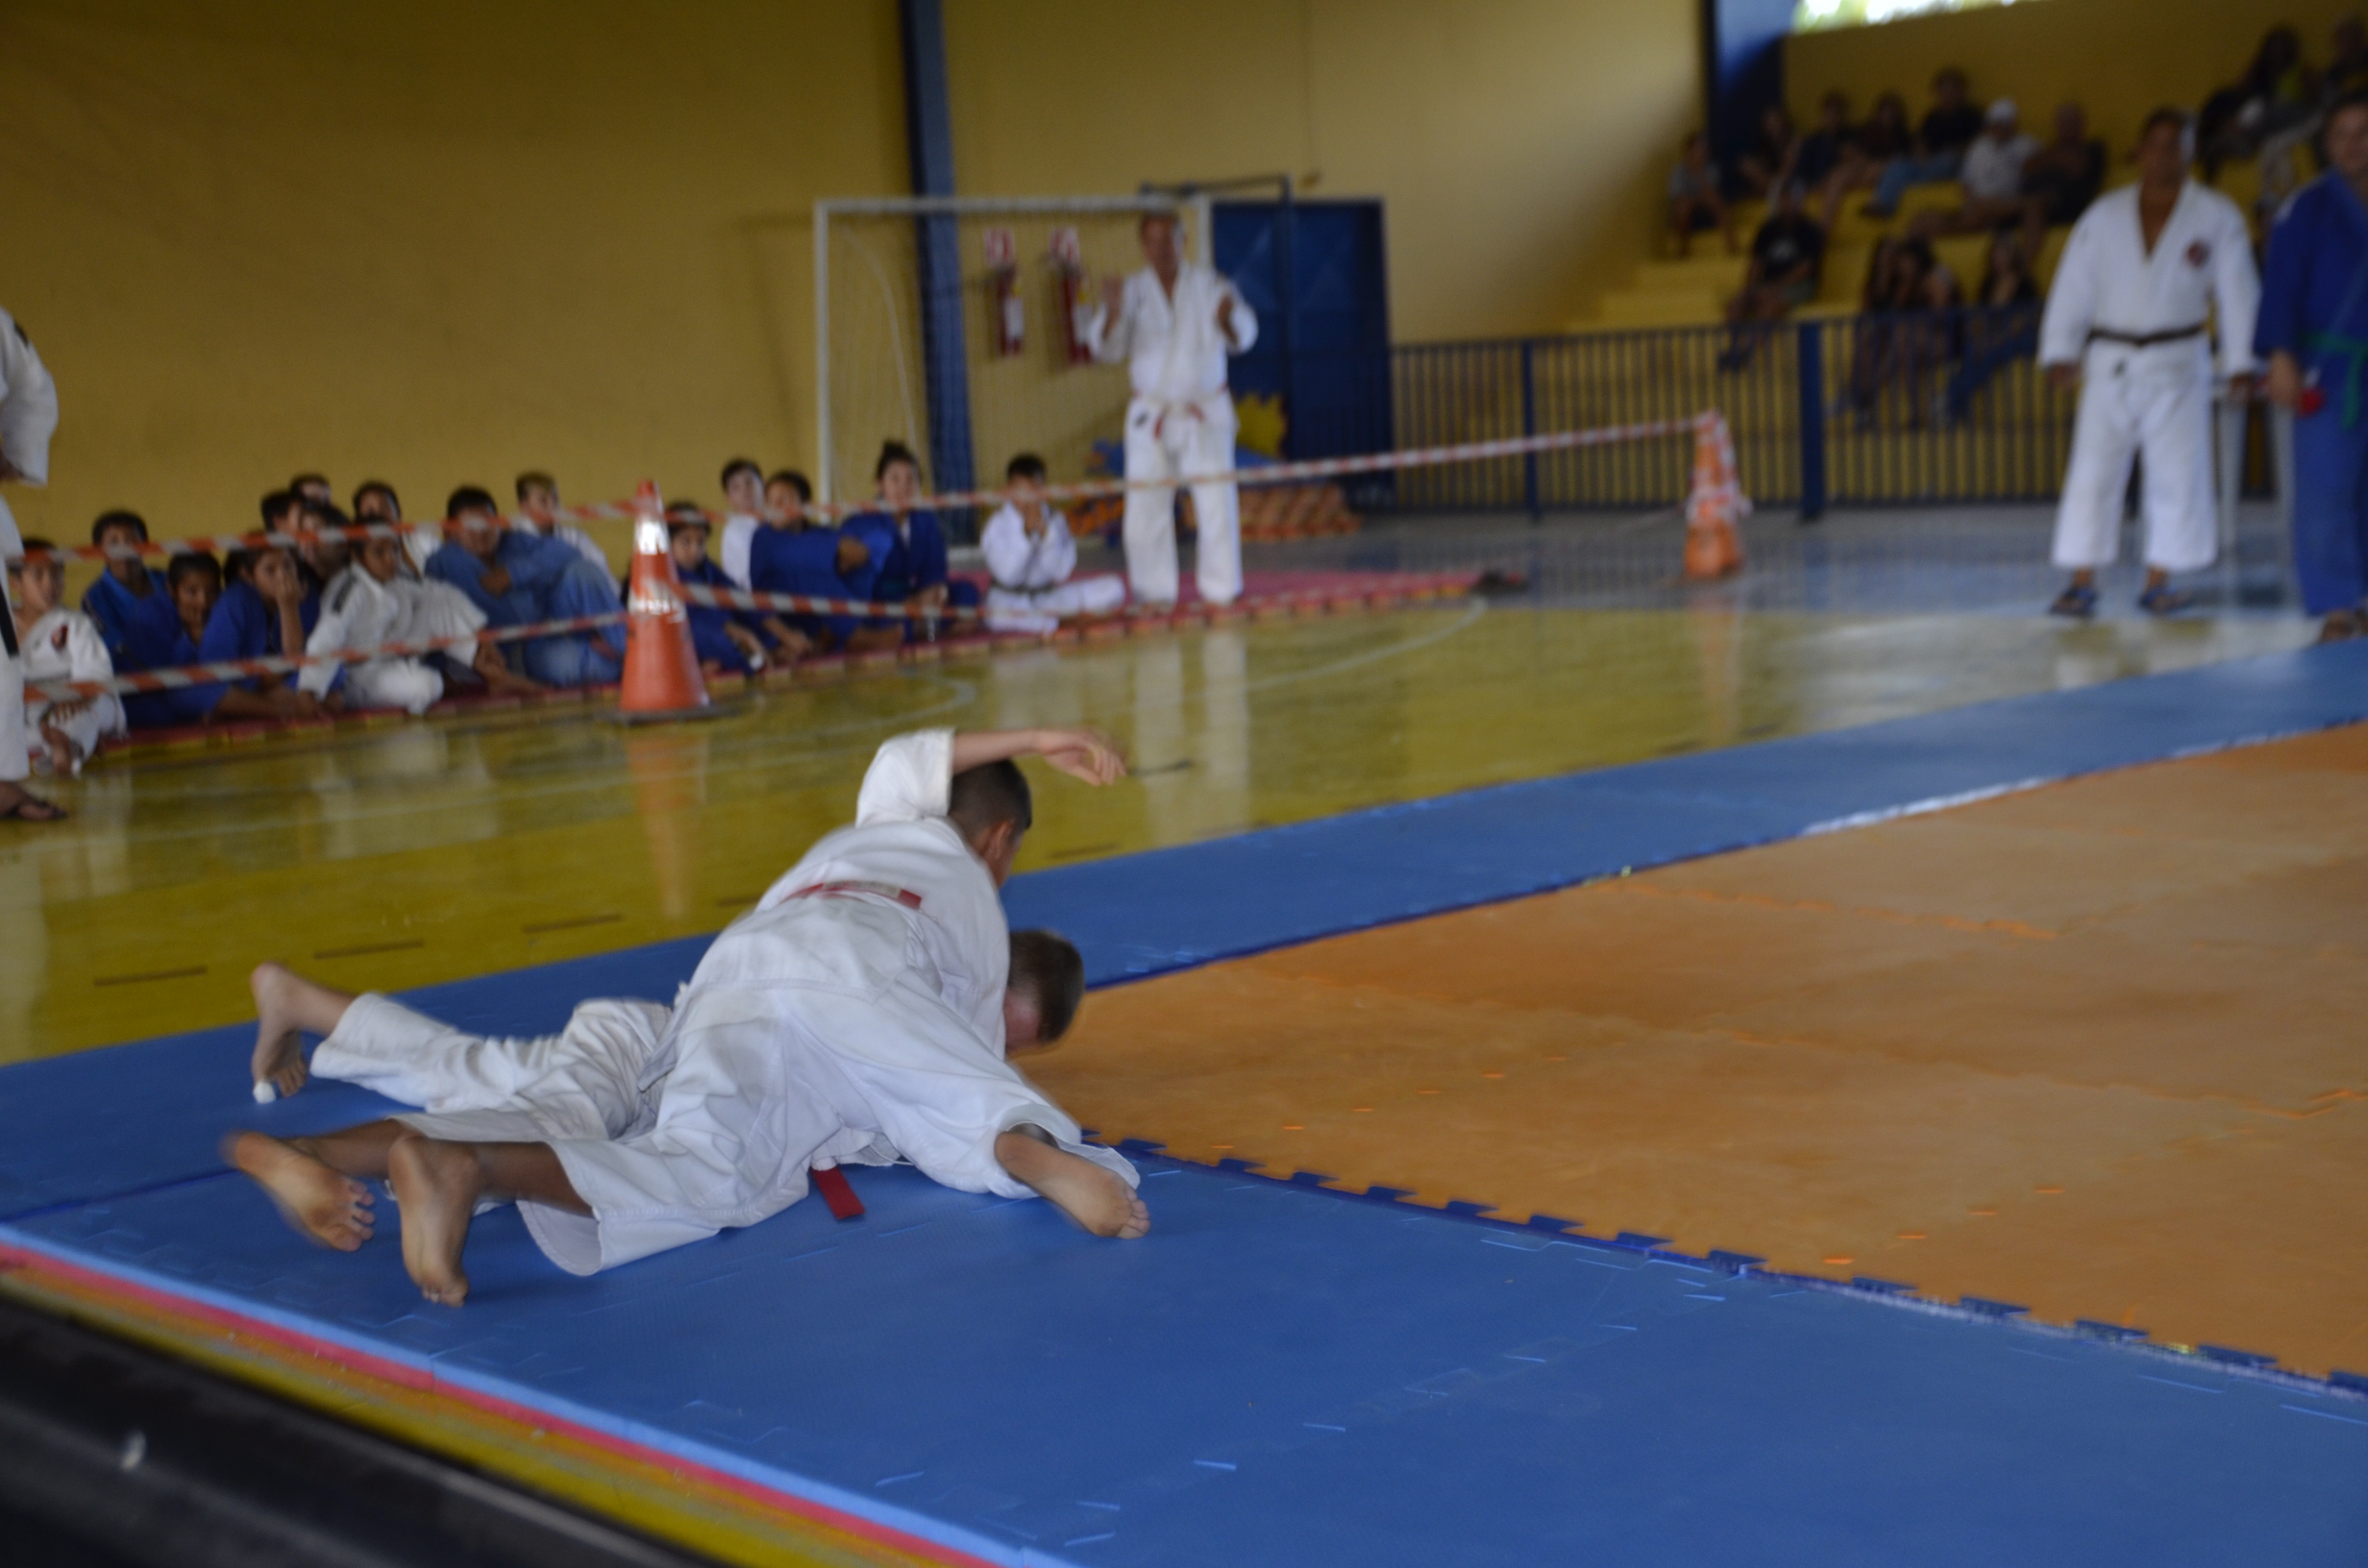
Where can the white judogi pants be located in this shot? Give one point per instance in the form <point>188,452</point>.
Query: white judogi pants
<point>2156,399</point>
<point>1041,609</point>
<point>1178,441</point>
<point>586,1081</point>
<point>13,763</point>
<point>393,683</point>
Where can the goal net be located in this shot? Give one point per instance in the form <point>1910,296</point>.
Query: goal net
<point>954,325</point>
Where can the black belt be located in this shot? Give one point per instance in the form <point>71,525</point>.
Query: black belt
<point>2145,340</point>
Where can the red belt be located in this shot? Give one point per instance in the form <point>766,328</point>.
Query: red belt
<point>832,1184</point>
<point>840,890</point>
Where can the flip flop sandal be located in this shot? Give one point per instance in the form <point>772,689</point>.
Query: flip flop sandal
<point>2077,602</point>
<point>33,809</point>
<point>2162,600</point>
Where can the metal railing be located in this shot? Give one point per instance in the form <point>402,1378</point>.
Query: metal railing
<point>1886,409</point>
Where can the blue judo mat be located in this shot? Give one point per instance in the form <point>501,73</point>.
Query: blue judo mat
<point>1283,1375</point>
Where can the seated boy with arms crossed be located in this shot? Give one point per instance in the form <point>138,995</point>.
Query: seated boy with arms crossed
<point>859,1013</point>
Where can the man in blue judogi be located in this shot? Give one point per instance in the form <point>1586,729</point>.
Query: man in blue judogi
<point>2313,332</point>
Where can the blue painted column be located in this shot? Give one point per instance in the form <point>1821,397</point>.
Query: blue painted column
<point>929,134</point>
<point>1812,393</point>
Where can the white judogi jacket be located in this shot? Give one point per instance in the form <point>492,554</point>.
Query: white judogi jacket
<point>28,418</point>
<point>1173,349</point>
<point>2108,282</point>
<point>855,1015</point>
<point>732,546</point>
<point>359,611</point>
<point>1019,563</point>
<point>65,645</point>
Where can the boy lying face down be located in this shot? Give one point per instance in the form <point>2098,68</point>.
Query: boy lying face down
<point>861,1013</point>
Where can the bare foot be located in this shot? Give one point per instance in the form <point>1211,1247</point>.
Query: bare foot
<point>438,1185</point>
<point>1096,1199</point>
<point>331,1208</point>
<point>278,1043</point>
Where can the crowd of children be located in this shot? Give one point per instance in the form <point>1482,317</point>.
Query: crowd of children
<point>330,595</point>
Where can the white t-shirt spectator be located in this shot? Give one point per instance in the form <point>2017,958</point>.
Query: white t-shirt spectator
<point>1994,169</point>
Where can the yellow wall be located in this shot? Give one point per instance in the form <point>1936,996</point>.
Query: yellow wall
<point>1520,144</point>
<point>2121,58</point>
<point>433,241</point>
<point>442,241</point>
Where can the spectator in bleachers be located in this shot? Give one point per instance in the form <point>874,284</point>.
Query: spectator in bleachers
<point>1786,256</point>
<point>1948,128</point>
<point>1900,336</point>
<point>114,602</point>
<point>60,644</point>
<point>1991,175</point>
<point>1775,146</point>
<point>1866,152</point>
<point>2277,94</point>
<point>517,577</point>
<point>724,640</point>
<point>744,501</point>
<point>538,502</point>
<point>1695,200</point>
<point>2005,323</point>
<point>1819,154</point>
<point>2063,177</point>
<point>170,631</point>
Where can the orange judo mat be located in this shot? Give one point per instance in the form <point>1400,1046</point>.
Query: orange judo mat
<point>2098,1049</point>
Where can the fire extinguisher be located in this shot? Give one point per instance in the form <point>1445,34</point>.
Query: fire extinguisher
<point>1074,297</point>
<point>1003,302</point>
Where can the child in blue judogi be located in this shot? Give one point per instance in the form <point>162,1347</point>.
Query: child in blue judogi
<point>518,577</point>
<point>724,640</point>
<point>129,583</point>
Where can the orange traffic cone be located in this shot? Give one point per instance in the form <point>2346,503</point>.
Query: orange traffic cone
<point>1713,547</point>
<point>662,672</point>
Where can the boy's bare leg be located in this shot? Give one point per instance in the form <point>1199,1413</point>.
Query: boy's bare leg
<point>1091,1196</point>
<point>312,1178</point>
<point>286,1007</point>
<point>440,1184</point>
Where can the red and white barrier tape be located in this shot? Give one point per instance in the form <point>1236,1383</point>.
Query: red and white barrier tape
<point>179,675</point>
<point>1318,468</point>
<point>741,598</point>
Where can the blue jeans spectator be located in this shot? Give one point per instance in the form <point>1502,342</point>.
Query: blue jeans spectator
<point>1927,169</point>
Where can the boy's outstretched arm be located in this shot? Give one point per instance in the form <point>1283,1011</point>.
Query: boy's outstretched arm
<point>1080,753</point>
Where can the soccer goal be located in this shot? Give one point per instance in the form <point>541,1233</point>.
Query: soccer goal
<point>956,326</point>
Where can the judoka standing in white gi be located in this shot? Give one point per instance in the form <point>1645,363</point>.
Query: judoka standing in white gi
<point>854,1016</point>
<point>1174,323</point>
<point>28,418</point>
<point>2127,318</point>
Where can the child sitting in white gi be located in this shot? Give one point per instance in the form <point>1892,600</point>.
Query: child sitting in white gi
<point>60,644</point>
<point>859,1013</point>
<point>370,604</point>
<point>1030,555</point>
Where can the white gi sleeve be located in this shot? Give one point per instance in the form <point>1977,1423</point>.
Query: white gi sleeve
<point>1056,559</point>
<point>911,779</point>
<point>330,633</point>
<point>1111,340</point>
<point>2236,291</point>
<point>28,404</point>
<point>1245,320</point>
<point>1003,542</point>
<point>2072,299</point>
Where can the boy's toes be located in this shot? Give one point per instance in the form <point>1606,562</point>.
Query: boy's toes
<point>1138,1221</point>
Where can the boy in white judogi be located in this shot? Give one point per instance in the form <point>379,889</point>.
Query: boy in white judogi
<point>61,643</point>
<point>2128,317</point>
<point>28,419</point>
<point>856,1015</point>
<point>1030,554</point>
<point>1174,324</point>
<point>370,604</point>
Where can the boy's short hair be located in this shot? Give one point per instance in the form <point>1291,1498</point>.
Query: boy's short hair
<point>891,452</point>
<point>795,481</point>
<point>684,514</point>
<point>277,503</point>
<point>738,465</point>
<point>470,498</point>
<point>1047,967</point>
<point>1026,466</point>
<point>119,519</point>
<point>188,563</point>
<point>299,481</point>
<point>534,478</point>
<point>989,794</point>
<point>33,542</point>
<point>377,487</point>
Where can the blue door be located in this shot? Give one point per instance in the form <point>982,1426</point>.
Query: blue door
<point>1323,340</point>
